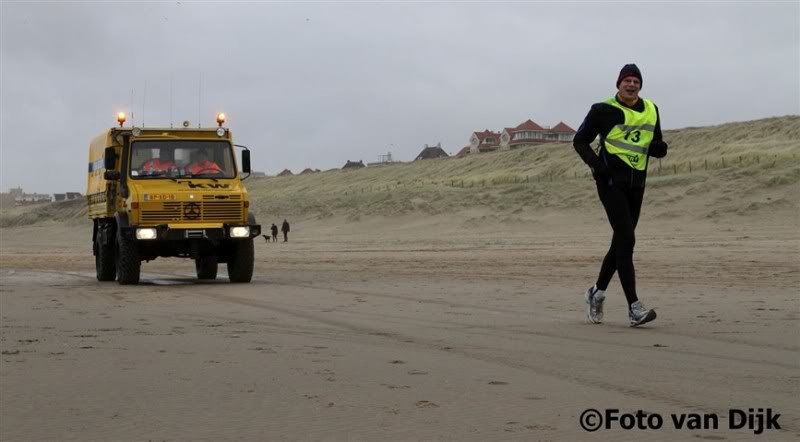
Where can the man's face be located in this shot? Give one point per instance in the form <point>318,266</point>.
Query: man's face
<point>629,88</point>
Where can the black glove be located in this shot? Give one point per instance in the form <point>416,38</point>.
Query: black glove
<point>600,171</point>
<point>658,149</point>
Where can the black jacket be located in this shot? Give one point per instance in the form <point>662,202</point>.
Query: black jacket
<point>602,117</point>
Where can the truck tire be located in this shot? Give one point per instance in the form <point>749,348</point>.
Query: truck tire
<point>104,260</point>
<point>240,263</point>
<point>206,267</point>
<point>129,266</point>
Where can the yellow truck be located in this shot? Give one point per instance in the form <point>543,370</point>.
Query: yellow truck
<point>170,192</point>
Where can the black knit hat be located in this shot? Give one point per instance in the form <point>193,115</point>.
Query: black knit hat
<point>629,70</point>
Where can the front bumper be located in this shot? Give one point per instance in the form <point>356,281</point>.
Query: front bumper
<point>165,233</point>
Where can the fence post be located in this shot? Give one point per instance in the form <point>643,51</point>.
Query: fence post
<point>690,166</point>
<point>705,163</point>
<point>675,169</point>
<point>723,162</point>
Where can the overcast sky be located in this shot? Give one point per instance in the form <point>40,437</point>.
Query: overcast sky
<point>316,84</point>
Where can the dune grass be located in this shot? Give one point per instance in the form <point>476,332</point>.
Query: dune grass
<point>747,156</point>
<point>731,168</point>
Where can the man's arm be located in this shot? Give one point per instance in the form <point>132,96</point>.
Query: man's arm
<point>658,148</point>
<point>587,133</point>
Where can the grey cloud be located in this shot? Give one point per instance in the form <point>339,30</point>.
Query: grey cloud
<point>315,84</point>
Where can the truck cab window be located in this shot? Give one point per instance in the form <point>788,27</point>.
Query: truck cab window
<point>153,159</point>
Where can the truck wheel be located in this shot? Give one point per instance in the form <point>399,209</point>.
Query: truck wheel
<point>206,267</point>
<point>129,266</point>
<point>104,260</point>
<point>240,263</point>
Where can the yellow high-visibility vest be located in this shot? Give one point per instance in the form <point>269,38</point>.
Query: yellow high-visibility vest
<point>629,141</point>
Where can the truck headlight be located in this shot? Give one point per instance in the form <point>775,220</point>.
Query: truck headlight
<point>240,232</point>
<point>146,233</point>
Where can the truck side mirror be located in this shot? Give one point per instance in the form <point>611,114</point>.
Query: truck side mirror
<point>109,158</point>
<point>111,175</point>
<point>246,161</point>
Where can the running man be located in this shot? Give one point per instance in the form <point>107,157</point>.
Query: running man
<point>630,132</point>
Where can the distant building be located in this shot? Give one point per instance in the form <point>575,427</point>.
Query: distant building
<point>431,152</point>
<point>528,133</point>
<point>60,196</point>
<point>286,172</point>
<point>73,195</point>
<point>32,198</point>
<point>486,141</point>
<point>17,197</point>
<point>353,164</point>
<point>564,132</point>
<point>257,174</point>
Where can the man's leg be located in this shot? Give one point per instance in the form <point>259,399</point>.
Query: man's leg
<point>620,254</point>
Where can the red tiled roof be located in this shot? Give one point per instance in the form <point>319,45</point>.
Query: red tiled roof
<point>563,128</point>
<point>529,125</point>
<point>485,133</point>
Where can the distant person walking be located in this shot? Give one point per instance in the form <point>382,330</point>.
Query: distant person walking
<point>274,230</point>
<point>285,230</point>
<point>630,132</point>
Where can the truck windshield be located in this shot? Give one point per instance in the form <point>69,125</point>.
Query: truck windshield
<point>152,159</point>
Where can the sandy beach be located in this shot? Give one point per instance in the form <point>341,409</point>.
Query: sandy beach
<point>401,329</point>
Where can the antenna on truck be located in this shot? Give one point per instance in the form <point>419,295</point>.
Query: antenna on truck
<point>199,100</point>
<point>131,108</point>
<point>144,98</point>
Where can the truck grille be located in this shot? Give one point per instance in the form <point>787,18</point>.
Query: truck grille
<point>189,211</point>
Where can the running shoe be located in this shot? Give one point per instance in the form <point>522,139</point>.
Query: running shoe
<point>594,305</point>
<point>639,314</point>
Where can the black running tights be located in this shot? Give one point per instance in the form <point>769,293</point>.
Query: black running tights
<point>623,206</point>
